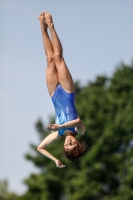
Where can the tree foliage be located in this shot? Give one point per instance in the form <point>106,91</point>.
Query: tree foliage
<point>4,192</point>
<point>106,171</point>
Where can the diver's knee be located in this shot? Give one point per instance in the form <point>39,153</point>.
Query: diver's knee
<point>50,58</point>
<point>58,56</point>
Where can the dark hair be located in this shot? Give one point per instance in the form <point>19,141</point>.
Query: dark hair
<point>75,153</point>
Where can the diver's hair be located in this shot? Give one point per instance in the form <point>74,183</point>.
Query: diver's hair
<point>78,151</point>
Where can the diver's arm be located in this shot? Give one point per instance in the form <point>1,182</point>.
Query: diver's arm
<point>77,123</point>
<point>47,141</point>
<point>80,129</point>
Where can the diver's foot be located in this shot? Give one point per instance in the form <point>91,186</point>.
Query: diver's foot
<point>48,19</point>
<point>42,21</point>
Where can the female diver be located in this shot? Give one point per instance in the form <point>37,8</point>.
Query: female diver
<point>61,89</point>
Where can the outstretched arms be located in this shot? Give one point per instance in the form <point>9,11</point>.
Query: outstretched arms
<point>47,141</point>
<point>77,123</point>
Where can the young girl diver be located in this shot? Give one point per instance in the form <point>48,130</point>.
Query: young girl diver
<point>61,89</point>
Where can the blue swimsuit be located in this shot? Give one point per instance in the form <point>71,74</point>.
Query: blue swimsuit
<point>64,108</point>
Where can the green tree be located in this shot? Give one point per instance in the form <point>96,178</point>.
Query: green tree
<point>106,171</point>
<point>4,192</point>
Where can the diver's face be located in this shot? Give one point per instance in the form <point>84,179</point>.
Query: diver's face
<point>70,142</point>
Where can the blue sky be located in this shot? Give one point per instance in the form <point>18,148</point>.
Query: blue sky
<point>96,37</point>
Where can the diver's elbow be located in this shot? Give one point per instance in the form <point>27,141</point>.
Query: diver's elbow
<point>39,148</point>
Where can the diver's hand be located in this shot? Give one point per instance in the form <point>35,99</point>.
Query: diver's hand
<point>59,164</point>
<point>54,127</point>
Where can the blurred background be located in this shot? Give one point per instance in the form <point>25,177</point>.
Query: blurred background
<point>97,38</point>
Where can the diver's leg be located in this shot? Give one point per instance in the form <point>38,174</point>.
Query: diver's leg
<point>51,71</point>
<point>64,76</point>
